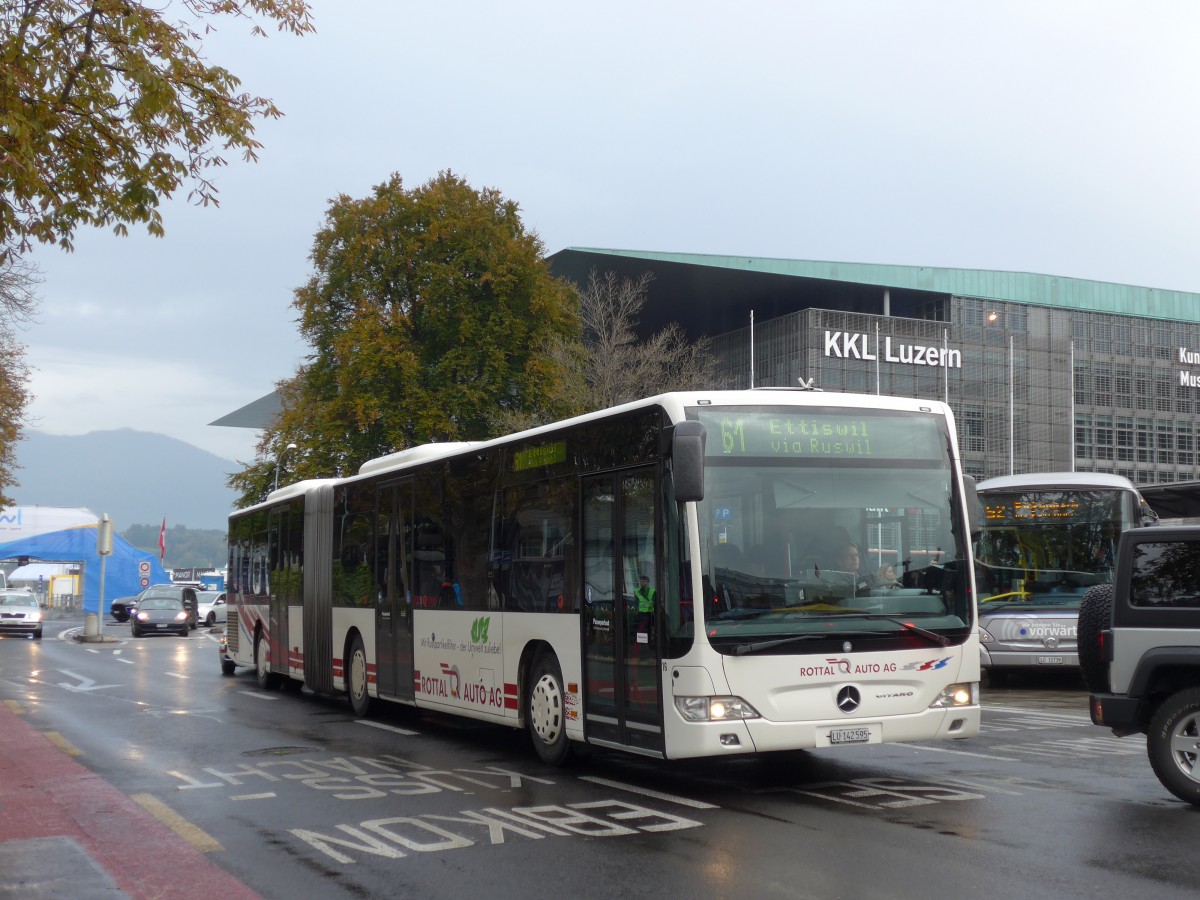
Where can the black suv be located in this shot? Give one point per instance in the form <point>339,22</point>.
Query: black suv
<point>1139,651</point>
<point>185,593</point>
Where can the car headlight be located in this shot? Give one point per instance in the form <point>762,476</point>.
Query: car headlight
<point>35,616</point>
<point>715,709</point>
<point>142,617</point>
<point>965,694</point>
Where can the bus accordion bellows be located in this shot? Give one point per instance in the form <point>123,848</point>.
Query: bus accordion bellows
<point>1046,538</point>
<point>694,574</point>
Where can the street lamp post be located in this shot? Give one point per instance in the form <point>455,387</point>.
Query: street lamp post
<point>278,460</point>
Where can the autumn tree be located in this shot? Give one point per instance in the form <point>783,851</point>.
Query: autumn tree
<point>18,300</point>
<point>108,106</point>
<point>428,313</point>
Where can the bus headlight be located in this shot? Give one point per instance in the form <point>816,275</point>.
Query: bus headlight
<point>965,694</point>
<point>714,709</point>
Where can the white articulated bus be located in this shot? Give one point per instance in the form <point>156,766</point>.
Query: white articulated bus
<point>666,577</point>
<point>1047,537</point>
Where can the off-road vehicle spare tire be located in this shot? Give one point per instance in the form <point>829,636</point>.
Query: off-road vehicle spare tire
<point>1095,615</point>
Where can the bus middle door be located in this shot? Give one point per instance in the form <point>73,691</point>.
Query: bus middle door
<point>393,577</point>
<point>620,570</point>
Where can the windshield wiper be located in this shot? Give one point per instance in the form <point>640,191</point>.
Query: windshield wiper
<point>743,649</point>
<point>940,639</point>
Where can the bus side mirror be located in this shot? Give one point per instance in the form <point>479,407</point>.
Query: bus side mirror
<point>974,508</point>
<point>687,461</point>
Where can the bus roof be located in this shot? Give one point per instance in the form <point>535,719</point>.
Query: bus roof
<point>675,403</point>
<point>1053,480</point>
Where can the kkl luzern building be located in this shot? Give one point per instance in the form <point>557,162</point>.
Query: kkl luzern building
<point>1044,373</point>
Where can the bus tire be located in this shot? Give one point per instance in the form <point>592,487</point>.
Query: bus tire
<point>1095,615</point>
<point>267,680</point>
<point>1171,744</point>
<point>227,667</point>
<point>356,678</point>
<point>545,713</point>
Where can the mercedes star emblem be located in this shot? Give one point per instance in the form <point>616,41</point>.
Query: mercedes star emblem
<point>848,699</point>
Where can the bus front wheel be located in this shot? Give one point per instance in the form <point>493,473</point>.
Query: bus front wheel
<point>356,678</point>
<point>545,714</point>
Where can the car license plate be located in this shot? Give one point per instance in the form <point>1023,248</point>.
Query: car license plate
<point>1050,660</point>
<point>162,625</point>
<point>849,735</point>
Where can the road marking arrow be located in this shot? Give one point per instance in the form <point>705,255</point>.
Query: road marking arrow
<point>85,684</point>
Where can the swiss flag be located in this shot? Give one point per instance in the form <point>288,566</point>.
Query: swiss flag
<point>162,540</point>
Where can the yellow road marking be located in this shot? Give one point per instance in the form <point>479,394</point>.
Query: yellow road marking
<point>15,706</point>
<point>177,823</point>
<point>63,744</point>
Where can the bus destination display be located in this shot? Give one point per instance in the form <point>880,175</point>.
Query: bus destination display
<point>821,435</point>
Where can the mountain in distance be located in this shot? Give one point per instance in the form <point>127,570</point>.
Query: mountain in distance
<point>136,477</point>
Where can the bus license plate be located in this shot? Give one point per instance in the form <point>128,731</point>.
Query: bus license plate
<point>1050,660</point>
<point>850,735</point>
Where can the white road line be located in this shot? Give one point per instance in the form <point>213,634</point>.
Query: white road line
<point>176,675</point>
<point>252,797</point>
<point>1040,713</point>
<point>961,752</point>
<point>646,792</point>
<point>386,727</point>
<point>257,696</point>
<point>128,662</point>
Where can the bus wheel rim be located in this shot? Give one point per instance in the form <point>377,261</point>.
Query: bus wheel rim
<point>546,709</point>
<point>358,675</point>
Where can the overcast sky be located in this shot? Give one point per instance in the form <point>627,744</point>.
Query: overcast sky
<point>1043,136</point>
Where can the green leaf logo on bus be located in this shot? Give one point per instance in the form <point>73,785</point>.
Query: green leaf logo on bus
<point>479,630</point>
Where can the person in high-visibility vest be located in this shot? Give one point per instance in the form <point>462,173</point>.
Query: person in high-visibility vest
<point>644,598</point>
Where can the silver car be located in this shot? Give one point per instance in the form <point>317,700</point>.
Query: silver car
<point>20,614</point>
<point>210,607</point>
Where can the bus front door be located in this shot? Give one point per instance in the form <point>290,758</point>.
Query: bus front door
<point>393,574</point>
<point>620,611</point>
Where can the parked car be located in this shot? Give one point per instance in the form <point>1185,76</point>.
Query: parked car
<point>20,614</point>
<point>159,614</point>
<point>184,593</point>
<point>124,607</point>
<point>210,607</point>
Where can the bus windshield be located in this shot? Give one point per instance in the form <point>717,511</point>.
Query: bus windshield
<point>830,523</point>
<point>1044,547</point>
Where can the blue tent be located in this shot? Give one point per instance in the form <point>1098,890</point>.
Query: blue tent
<point>126,570</point>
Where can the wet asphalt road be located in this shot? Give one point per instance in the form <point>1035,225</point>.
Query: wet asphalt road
<point>291,795</point>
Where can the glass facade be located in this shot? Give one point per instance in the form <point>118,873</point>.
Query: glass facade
<point>1033,388</point>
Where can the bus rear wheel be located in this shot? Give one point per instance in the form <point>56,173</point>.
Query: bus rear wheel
<point>356,678</point>
<point>267,680</point>
<point>545,714</point>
